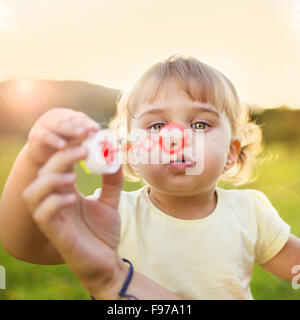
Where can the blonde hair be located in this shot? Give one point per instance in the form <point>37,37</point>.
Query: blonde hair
<point>204,84</point>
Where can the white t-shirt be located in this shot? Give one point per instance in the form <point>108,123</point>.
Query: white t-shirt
<point>208,258</point>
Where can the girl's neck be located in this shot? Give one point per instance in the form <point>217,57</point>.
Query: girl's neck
<point>186,207</point>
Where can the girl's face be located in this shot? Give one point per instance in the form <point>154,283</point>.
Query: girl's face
<point>177,107</point>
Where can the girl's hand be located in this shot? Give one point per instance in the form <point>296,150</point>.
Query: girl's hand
<point>57,129</point>
<point>85,232</point>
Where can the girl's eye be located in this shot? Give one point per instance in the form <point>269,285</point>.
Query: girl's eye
<point>197,125</point>
<point>156,124</point>
<point>200,125</point>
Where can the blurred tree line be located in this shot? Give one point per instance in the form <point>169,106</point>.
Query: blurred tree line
<point>281,124</point>
<point>21,106</point>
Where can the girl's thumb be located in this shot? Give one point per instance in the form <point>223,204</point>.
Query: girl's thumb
<point>111,188</point>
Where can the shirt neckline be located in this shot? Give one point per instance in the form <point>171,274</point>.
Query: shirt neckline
<point>172,219</point>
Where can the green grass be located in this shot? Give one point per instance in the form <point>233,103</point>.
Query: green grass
<point>279,179</point>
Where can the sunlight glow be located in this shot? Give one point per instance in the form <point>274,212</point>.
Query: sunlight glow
<point>255,43</point>
<point>26,95</point>
<point>2,17</point>
<point>296,17</point>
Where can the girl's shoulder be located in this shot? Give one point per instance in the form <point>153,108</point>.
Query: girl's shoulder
<point>244,195</point>
<point>236,197</point>
<point>247,205</point>
<point>253,202</point>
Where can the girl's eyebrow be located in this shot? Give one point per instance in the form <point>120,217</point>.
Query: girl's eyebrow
<point>192,109</point>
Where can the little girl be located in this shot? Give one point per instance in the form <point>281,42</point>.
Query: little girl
<point>186,237</point>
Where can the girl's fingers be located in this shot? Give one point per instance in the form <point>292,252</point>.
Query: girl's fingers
<point>50,206</point>
<point>45,136</point>
<point>83,121</point>
<point>44,185</point>
<point>63,160</point>
<point>74,127</point>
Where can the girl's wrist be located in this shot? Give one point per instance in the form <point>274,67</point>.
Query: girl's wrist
<point>112,287</point>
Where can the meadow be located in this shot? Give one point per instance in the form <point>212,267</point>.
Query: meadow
<point>279,179</point>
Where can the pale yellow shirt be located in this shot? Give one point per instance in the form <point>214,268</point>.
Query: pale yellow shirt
<point>208,258</point>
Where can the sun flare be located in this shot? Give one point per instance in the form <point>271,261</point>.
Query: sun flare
<point>26,94</point>
<point>296,17</point>
<point>2,17</point>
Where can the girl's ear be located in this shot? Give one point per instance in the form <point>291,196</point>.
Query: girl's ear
<point>234,151</point>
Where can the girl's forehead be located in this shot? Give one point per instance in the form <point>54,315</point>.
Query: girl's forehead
<point>169,92</point>
<point>167,88</point>
<point>173,90</point>
<point>167,102</point>
<point>168,107</point>
<point>183,91</point>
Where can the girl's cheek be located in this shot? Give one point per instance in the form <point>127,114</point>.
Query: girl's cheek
<point>215,149</point>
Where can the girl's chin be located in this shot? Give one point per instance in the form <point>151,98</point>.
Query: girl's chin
<point>180,184</point>
<point>168,179</point>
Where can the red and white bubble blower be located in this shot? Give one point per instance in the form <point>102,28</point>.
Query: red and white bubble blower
<point>104,152</point>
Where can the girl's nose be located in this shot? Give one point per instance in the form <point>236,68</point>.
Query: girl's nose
<point>187,137</point>
<point>180,137</point>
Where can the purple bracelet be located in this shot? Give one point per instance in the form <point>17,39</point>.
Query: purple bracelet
<point>126,283</point>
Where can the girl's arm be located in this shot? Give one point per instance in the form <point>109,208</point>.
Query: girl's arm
<point>286,263</point>
<point>19,234</point>
<point>140,286</point>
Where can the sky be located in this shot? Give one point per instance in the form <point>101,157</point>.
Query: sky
<point>255,43</point>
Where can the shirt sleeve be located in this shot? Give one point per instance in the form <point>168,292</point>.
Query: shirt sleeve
<point>272,231</point>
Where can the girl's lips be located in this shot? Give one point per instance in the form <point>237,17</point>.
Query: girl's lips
<point>181,166</point>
